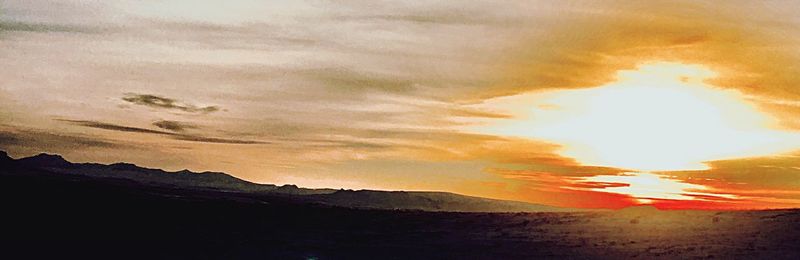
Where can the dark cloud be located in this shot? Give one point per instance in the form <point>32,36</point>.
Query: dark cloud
<point>201,139</point>
<point>176,136</point>
<point>15,26</point>
<point>52,141</point>
<point>166,103</point>
<point>173,126</point>
<point>106,126</point>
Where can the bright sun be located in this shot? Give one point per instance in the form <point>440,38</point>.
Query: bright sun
<point>660,117</point>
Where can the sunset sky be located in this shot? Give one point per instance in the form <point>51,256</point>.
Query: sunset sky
<point>594,104</point>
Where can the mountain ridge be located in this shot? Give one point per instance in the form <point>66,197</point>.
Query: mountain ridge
<point>220,181</point>
<point>44,160</point>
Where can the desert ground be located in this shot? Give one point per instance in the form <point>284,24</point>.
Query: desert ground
<point>74,216</point>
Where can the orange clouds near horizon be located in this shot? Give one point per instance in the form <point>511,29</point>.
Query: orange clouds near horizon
<point>651,89</point>
<point>660,117</point>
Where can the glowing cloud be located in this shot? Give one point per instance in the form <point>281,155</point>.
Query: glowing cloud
<point>659,117</point>
<point>647,186</point>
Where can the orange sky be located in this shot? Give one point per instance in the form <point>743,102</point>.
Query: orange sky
<point>597,104</point>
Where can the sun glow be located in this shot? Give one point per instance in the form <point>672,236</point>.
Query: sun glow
<point>645,187</point>
<point>660,117</point>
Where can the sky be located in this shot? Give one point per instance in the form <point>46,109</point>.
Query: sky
<point>591,104</point>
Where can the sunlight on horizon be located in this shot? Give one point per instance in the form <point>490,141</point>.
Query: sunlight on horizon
<point>645,187</point>
<point>660,117</point>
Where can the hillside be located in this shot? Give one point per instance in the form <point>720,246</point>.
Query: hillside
<point>185,179</point>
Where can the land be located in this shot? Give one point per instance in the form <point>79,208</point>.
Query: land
<point>48,213</point>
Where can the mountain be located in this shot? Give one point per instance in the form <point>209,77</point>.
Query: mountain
<point>57,166</point>
<point>45,160</point>
<point>5,159</point>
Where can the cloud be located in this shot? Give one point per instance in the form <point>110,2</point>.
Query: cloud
<point>105,126</point>
<point>343,79</point>
<point>15,26</point>
<point>585,49</point>
<point>201,139</point>
<point>774,172</point>
<point>465,112</point>
<point>154,101</point>
<point>173,126</point>
<point>28,138</point>
<point>443,18</point>
<point>176,136</point>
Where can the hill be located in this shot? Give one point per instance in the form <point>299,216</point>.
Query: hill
<point>56,166</point>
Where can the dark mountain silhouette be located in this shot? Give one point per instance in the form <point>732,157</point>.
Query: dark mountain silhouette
<point>218,181</point>
<point>45,160</point>
<point>5,159</point>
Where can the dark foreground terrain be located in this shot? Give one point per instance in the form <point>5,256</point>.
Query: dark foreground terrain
<point>49,215</point>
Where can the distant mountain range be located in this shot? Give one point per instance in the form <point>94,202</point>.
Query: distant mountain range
<point>55,165</point>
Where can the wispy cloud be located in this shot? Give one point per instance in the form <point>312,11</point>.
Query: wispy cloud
<point>42,27</point>
<point>174,126</point>
<point>113,127</point>
<point>34,140</point>
<point>343,79</point>
<point>176,136</point>
<point>194,138</point>
<point>160,102</point>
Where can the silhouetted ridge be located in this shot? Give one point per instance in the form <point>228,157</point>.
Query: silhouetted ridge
<point>4,158</point>
<point>45,160</point>
<point>125,167</point>
<point>218,181</point>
